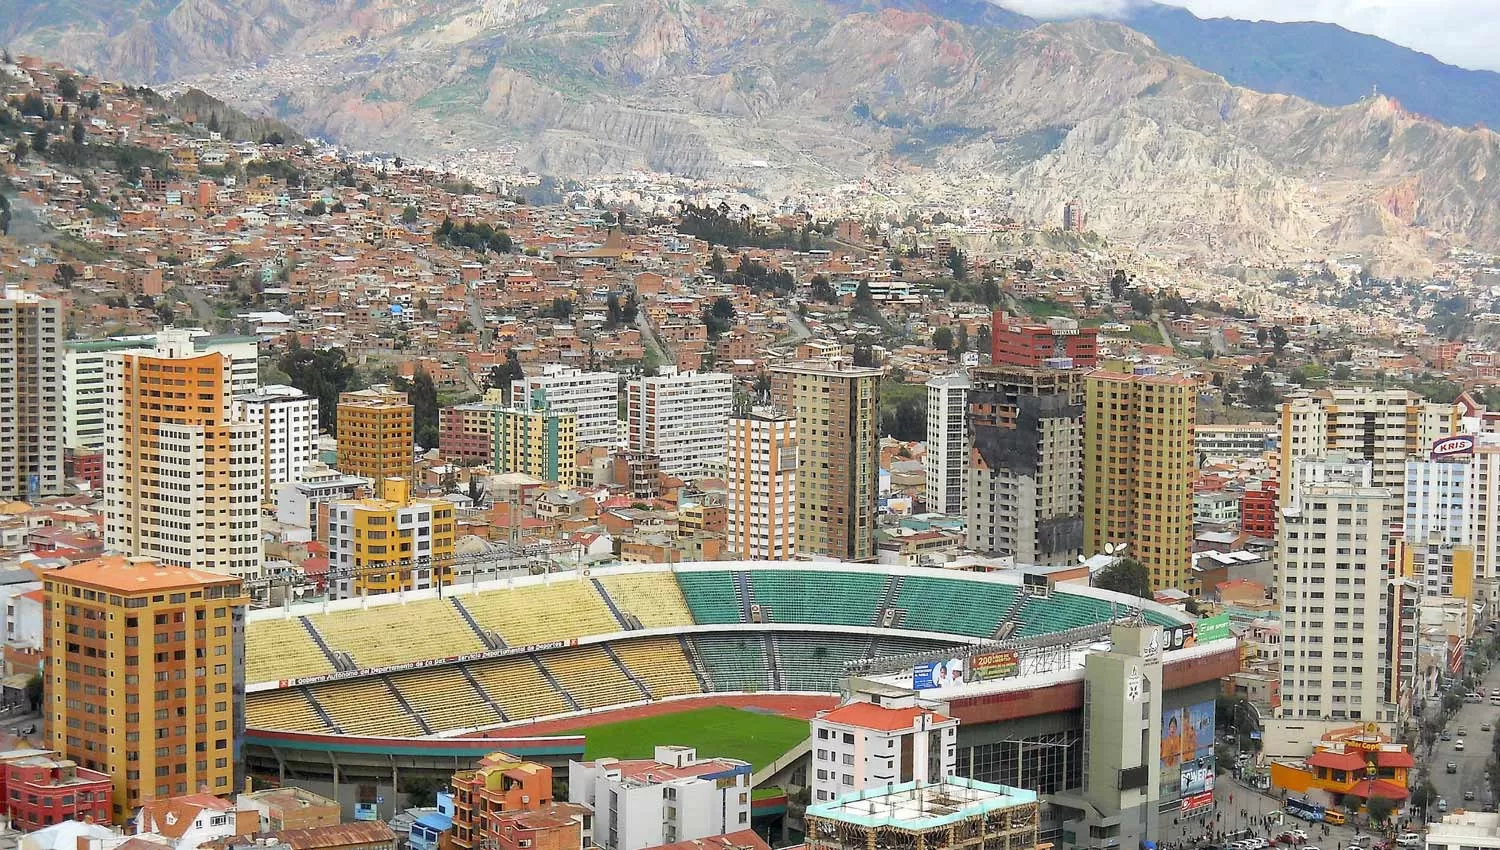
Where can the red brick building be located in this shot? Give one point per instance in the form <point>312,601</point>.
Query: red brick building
<point>466,433</point>
<point>509,802</point>
<point>1258,510</point>
<point>41,789</point>
<point>1015,343</point>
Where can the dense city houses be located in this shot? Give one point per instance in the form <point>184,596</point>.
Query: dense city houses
<point>350,504</point>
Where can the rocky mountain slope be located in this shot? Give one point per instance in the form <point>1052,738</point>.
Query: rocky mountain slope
<point>784,95</point>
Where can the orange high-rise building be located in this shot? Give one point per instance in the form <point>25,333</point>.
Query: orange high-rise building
<point>181,477</point>
<point>375,435</point>
<point>145,676</point>
<point>507,803</point>
<point>762,485</point>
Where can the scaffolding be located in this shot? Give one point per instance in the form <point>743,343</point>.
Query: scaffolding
<point>959,814</point>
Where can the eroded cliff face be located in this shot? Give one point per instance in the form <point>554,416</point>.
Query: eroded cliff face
<point>786,94</point>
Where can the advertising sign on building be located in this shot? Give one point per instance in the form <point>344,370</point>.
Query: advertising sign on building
<point>1454,446</point>
<point>995,665</point>
<point>931,675</point>
<point>1212,628</point>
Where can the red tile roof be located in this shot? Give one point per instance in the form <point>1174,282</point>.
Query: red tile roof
<point>1337,761</point>
<point>1378,788</point>
<point>745,839</point>
<point>1395,758</point>
<point>878,717</point>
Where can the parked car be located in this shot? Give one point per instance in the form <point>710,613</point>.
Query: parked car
<point>1485,726</point>
<point>1409,839</point>
<point>1444,736</point>
<point>1469,794</point>
<point>1443,804</point>
<point>1453,767</point>
<point>1459,745</point>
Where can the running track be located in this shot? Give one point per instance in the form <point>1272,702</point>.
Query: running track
<point>788,705</point>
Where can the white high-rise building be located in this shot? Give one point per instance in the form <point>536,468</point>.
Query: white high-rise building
<point>1483,513</point>
<point>1437,493</point>
<point>947,443</point>
<point>85,364</point>
<point>288,423</point>
<point>1384,427</point>
<point>1332,543</point>
<point>31,414</point>
<point>182,477</point>
<point>762,485</point>
<point>592,397</point>
<point>862,745</point>
<point>683,419</point>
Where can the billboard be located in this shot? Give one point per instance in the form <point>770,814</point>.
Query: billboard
<point>995,665</point>
<point>930,675</point>
<point>1212,628</point>
<point>1454,446</point>
<point>1198,776</point>
<point>1180,636</point>
<point>1187,734</point>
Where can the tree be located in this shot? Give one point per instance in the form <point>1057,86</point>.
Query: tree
<point>562,308</point>
<point>409,215</point>
<point>862,295</point>
<point>804,242</point>
<point>421,393</point>
<point>1261,335</point>
<point>1425,795</point>
<point>1379,809</point>
<point>716,263</point>
<point>1127,576</point>
<point>982,340</point>
<point>67,88</point>
<point>822,290</point>
<point>338,207</point>
<point>959,264</point>
<point>1279,338</point>
<point>79,133</point>
<point>864,355</point>
<point>631,310</point>
<point>961,340</point>
<point>719,318</point>
<point>942,338</point>
<point>318,208</point>
<point>20,150</point>
<point>65,275</point>
<point>421,791</point>
<point>615,313</point>
<point>321,373</point>
<point>39,141</point>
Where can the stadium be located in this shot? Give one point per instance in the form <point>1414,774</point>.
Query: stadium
<point>350,696</point>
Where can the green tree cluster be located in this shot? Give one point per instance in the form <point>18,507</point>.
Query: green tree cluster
<point>480,236</point>
<point>1125,575</point>
<point>322,373</point>
<point>715,226</point>
<point>421,392</point>
<point>719,317</point>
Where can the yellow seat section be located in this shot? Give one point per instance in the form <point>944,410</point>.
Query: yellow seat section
<point>397,634</point>
<point>660,663</point>
<point>518,687</point>
<point>365,707</point>
<point>654,598</point>
<point>285,708</point>
<point>445,699</point>
<point>281,649</point>
<point>541,613</point>
<point>591,678</point>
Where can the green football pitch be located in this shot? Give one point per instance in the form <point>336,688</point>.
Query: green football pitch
<point>718,731</point>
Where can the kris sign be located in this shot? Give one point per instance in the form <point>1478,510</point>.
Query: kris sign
<point>1455,446</point>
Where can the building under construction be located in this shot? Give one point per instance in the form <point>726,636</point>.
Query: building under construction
<point>1025,488</point>
<point>956,813</point>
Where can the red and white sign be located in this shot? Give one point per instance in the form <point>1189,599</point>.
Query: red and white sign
<point>1458,444</point>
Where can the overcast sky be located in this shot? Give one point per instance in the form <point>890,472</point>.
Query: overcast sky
<point>1459,32</point>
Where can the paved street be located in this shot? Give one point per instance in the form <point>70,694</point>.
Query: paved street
<point>1472,760</point>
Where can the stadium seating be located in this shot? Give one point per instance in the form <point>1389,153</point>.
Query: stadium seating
<point>711,597</point>
<point>1058,612</point>
<point>592,679</point>
<point>395,634</point>
<point>830,598</point>
<point>286,708</point>
<point>540,613</point>
<point>445,699</point>
<point>735,662</point>
<point>811,662</point>
<point>654,598</point>
<point>952,605</point>
<point>282,649</point>
<point>518,687</point>
<point>659,663</point>
<point>366,707</point>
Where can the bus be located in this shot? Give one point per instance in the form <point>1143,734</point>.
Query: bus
<point>1307,810</point>
<point>1333,816</point>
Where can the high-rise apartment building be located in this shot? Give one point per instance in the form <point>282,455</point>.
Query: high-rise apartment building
<point>1058,343</point>
<point>182,477</point>
<point>865,744</point>
<point>762,485</point>
<point>85,381</point>
<point>466,433</point>
<point>1384,427</point>
<point>145,676</point>
<point>837,406</point>
<point>31,411</point>
<point>1025,464</point>
<point>389,544</point>
<point>683,419</point>
<point>287,420</point>
<point>947,443</point>
<point>538,441</point>
<point>1483,510</point>
<point>1332,547</point>
<point>676,796</point>
<point>375,435</point>
<point>592,397</point>
<point>1138,468</point>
